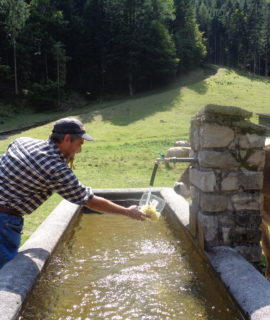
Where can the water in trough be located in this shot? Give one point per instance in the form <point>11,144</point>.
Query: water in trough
<point>112,267</point>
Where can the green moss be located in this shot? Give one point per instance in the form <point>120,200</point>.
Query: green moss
<point>249,127</point>
<point>230,111</point>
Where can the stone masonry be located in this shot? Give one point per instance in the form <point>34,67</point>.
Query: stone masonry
<point>227,179</point>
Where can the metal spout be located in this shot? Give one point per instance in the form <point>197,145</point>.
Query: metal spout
<point>151,183</point>
<point>175,159</point>
<point>172,159</point>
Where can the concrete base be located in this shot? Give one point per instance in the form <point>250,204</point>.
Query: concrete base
<point>246,285</point>
<point>250,289</point>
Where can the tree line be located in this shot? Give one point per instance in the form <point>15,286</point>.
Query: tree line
<point>103,47</point>
<point>237,33</point>
<point>96,47</point>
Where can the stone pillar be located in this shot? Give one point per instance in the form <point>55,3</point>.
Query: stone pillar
<point>227,179</point>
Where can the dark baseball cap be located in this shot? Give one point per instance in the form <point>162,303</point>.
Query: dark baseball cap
<point>71,126</point>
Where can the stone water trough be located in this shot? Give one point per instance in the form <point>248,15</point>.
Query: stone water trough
<point>245,284</point>
<point>210,226</point>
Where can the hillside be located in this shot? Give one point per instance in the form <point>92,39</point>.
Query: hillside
<point>130,134</point>
<point>133,131</point>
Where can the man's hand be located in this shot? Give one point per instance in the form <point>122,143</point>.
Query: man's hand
<point>135,213</point>
<point>104,205</point>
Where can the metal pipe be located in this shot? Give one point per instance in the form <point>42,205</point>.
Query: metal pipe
<point>172,159</point>
<point>175,159</point>
<point>154,174</point>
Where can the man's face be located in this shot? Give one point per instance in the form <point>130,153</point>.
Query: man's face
<point>70,148</point>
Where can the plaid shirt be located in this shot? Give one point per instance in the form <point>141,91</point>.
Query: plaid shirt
<point>32,170</point>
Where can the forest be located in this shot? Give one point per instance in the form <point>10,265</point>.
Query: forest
<point>101,48</point>
<point>237,33</point>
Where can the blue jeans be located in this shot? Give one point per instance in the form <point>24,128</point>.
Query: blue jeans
<point>10,236</point>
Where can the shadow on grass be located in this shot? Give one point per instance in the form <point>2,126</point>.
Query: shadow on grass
<point>127,110</point>
<point>142,105</point>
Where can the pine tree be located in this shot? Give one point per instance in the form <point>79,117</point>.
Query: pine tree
<point>266,38</point>
<point>43,32</point>
<point>15,15</point>
<point>188,39</point>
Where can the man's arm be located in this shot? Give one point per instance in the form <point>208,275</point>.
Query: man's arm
<point>103,205</point>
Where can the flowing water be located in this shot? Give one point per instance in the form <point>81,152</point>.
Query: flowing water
<point>112,267</point>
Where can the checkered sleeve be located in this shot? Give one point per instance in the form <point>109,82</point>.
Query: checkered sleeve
<point>64,182</point>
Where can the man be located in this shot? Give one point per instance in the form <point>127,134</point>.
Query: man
<point>32,170</point>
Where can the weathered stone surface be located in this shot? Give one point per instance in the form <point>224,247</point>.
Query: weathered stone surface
<point>208,226</point>
<point>226,219</point>
<point>246,284</point>
<point>177,206</point>
<point>195,194</point>
<point>230,181</point>
<point>246,201</point>
<point>241,235</point>
<point>244,126</point>
<point>200,235</point>
<point>226,236</point>
<point>204,180</point>
<point>249,141</point>
<point>213,202</point>
<point>247,219</point>
<point>193,214</point>
<point>250,180</point>
<point>243,154</point>
<point>194,135</point>
<point>257,159</point>
<point>193,154</point>
<point>251,253</point>
<point>246,180</point>
<point>215,136</point>
<point>227,179</point>
<point>217,159</point>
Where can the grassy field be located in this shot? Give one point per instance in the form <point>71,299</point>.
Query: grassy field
<point>129,134</point>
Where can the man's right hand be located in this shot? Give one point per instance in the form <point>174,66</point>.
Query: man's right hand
<point>104,205</point>
<point>135,213</point>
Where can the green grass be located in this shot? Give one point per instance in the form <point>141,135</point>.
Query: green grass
<point>130,133</point>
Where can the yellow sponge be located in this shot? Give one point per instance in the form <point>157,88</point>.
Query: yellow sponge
<point>150,209</point>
